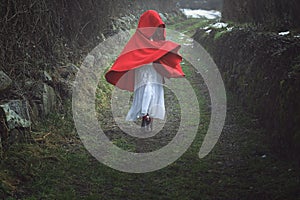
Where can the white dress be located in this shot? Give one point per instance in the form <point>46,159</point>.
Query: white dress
<point>148,94</point>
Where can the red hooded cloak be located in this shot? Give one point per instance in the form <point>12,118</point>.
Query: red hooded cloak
<point>144,48</point>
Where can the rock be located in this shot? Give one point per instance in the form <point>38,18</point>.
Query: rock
<point>163,17</point>
<point>5,81</point>
<point>49,99</point>
<point>35,112</point>
<point>102,37</point>
<point>68,72</point>
<point>47,77</point>
<point>64,80</point>
<point>122,23</point>
<point>16,114</point>
<point>43,99</point>
<point>15,122</point>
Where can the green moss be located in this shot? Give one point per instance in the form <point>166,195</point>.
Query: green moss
<point>296,68</point>
<point>185,69</point>
<point>219,34</point>
<point>124,144</point>
<point>190,25</point>
<point>59,167</point>
<point>282,84</point>
<point>103,94</point>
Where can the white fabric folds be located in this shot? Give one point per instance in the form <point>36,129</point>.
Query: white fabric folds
<point>148,94</point>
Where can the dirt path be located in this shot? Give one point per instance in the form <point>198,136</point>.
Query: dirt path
<point>241,165</point>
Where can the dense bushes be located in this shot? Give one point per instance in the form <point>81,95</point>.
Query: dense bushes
<point>35,33</point>
<point>263,71</point>
<point>204,4</point>
<point>39,35</point>
<point>274,14</point>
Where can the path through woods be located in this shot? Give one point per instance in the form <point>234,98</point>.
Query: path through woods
<point>241,166</point>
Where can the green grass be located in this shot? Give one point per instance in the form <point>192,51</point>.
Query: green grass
<point>189,26</point>
<point>57,166</point>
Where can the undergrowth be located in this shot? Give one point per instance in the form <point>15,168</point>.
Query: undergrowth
<point>57,166</point>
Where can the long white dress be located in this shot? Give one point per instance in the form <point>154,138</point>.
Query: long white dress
<point>148,94</point>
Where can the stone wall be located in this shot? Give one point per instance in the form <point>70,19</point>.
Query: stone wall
<point>263,71</point>
<point>44,44</point>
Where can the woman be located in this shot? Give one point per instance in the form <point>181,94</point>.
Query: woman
<point>145,61</point>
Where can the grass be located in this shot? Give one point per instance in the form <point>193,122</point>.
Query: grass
<point>57,166</point>
<point>189,26</point>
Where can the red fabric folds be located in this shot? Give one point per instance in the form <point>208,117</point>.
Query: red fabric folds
<point>147,45</point>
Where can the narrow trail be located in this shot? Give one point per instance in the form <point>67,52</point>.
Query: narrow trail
<point>241,165</point>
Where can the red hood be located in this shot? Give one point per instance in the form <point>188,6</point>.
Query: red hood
<point>151,19</point>
<point>141,50</point>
